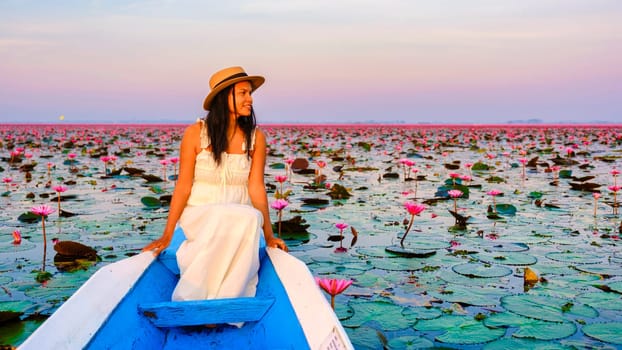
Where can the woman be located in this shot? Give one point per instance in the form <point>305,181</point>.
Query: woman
<point>220,198</point>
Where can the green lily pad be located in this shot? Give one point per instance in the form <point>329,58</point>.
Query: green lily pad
<point>531,328</point>
<point>616,286</point>
<point>481,270</point>
<point>545,308</point>
<point>601,300</point>
<point>407,251</point>
<point>29,217</point>
<point>388,315</point>
<point>608,332</point>
<point>409,342</point>
<point>462,330</point>
<point>505,209</point>
<point>606,270</point>
<point>505,247</point>
<point>365,338</point>
<point>574,257</point>
<point>522,343</point>
<point>277,166</point>
<point>10,310</point>
<point>508,258</point>
<point>421,313</point>
<point>470,295</point>
<point>395,264</point>
<point>150,202</point>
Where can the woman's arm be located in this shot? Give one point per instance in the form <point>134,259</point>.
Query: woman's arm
<point>187,158</point>
<point>257,190</point>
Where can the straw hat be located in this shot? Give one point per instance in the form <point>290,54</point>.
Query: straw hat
<point>227,77</point>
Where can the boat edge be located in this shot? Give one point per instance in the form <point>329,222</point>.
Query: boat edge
<point>319,324</point>
<point>79,318</point>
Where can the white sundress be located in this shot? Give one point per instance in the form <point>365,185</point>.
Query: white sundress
<point>220,257</point>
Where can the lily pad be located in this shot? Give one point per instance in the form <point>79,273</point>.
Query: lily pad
<point>608,332</point>
<point>150,202</point>
<point>545,308</point>
<point>531,328</point>
<point>387,314</point>
<point>522,343</point>
<point>409,342</point>
<point>410,252</point>
<point>460,330</point>
<point>421,313</point>
<point>574,257</point>
<point>481,270</point>
<point>603,270</point>
<point>602,300</point>
<point>470,295</point>
<point>508,258</point>
<point>505,209</point>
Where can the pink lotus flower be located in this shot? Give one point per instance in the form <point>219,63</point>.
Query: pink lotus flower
<point>17,237</point>
<point>43,210</point>
<point>280,178</point>
<point>494,194</point>
<point>7,180</point>
<point>333,287</point>
<point>413,209</point>
<point>341,226</point>
<point>454,193</point>
<point>279,205</point>
<point>59,189</point>
<point>320,163</point>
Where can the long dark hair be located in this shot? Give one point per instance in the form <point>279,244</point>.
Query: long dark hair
<point>217,121</point>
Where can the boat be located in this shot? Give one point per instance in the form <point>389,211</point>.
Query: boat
<point>127,305</point>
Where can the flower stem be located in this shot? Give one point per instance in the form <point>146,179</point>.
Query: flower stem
<point>412,218</point>
<point>45,243</point>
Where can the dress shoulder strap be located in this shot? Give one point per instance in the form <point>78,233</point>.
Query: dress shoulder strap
<point>205,141</point>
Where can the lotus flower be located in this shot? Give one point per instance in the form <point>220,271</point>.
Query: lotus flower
<point>413,209</point>
<point>596,195</point>
<point>333,287</point>
<point>455,194</point>
<point>43,210</point>
<point>59,189</point>
<point>341,226</point>
<point>279,205</point>
<point>494,193</point>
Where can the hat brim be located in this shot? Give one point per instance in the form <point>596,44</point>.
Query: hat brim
<point>255,80</point>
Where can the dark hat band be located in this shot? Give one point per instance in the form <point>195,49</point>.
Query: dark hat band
<point>238,75</point>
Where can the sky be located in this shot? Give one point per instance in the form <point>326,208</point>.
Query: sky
<point>336,61</point>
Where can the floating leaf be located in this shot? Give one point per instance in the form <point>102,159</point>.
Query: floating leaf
<point>410,342</point>
<point>150,202</point>
<point>505,209</point>
<point>609,332</point>
<point>601,300</point>
<point>460,330</point>
<point>522,343</point>
<point>508,258</point>
<point>574,257</point>
<point>544,307</point>
<point>387,314</point>
<point>469,295</point>
<point>481,270</point>
<point>531,328</point>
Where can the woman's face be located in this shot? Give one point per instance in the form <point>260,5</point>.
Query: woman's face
<point>243,99</point>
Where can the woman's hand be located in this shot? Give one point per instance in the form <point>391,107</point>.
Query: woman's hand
<point>158,245</point>
<point>276,243</point>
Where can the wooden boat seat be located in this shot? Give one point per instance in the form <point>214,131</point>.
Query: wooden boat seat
<point>203,312</point>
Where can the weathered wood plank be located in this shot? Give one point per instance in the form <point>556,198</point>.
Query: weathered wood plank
<point>202,312</point>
